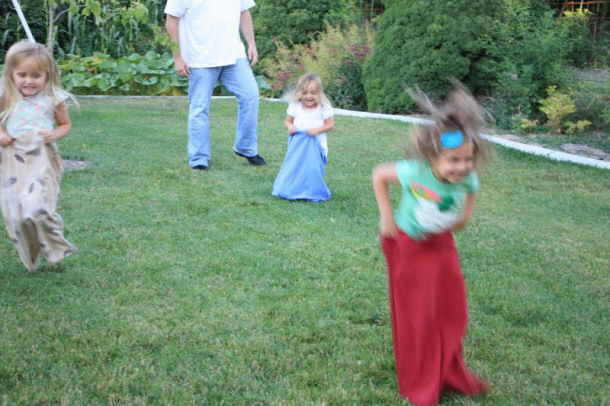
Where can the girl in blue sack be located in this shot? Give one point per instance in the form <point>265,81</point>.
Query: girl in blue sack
<point>33,115</point>
<point>310,116</point>
<point>428,309</point>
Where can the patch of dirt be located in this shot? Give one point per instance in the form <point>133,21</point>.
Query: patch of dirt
<point>576,149</point>
<point>587,151</point>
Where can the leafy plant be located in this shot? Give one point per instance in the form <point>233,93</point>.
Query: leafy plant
<point>115,27</point>
<point>527,125</point>
<point>577,127</point>
<point>556,107</point>
<point>149,74</point>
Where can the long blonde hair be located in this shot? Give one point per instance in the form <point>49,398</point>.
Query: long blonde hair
<point>303,82</point>
<point>459,112</point>
<point>16,54</point>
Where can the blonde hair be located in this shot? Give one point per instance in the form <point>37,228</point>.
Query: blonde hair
<point>459,112</point>
<point>16,54</point>
<point>302,84</point>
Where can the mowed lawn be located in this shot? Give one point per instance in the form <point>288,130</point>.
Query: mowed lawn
<point>201,288</point>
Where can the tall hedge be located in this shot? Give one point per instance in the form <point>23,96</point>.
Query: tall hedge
<point>427,43</point>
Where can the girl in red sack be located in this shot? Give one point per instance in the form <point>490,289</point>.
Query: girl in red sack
<point>33,115</point>
<point>426,287</point>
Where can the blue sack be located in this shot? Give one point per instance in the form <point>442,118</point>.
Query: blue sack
<point>301,176</point>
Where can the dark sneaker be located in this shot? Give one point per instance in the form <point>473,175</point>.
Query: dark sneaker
<point>254,160</point>
<point>200,167</point>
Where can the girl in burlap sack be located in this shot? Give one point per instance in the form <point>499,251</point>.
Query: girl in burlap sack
<point>33,115</point>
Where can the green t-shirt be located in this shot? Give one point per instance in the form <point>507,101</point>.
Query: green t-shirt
<point>429,206</point>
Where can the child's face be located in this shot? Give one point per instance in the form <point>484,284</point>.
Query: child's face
<point>454,164</point>
<point>29,78</point>
<point>310,95</point>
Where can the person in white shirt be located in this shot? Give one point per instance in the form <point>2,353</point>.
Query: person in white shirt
<point>210,50</point>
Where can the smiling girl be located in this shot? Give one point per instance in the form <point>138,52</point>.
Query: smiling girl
<point>309,118</point>
<point>426,286</point>
<point>33,115</point>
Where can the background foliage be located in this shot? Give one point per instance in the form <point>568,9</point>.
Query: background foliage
<point>337,55</point>
<point>148,74</point>
<point>289,22</point>
<point>82,27</point>
<point>509,52</point>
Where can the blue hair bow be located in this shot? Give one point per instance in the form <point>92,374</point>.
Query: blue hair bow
<point>452,139</point>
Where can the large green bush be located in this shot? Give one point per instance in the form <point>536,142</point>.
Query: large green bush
<point>427,44</point>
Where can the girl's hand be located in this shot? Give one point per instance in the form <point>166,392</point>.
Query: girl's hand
<point>466,213</point>
<point>387,228</point>
<point>49,136</point>
<point>458,226</point>
<point>312,132</point>
<point>291,129</point>
<point>5,140</point>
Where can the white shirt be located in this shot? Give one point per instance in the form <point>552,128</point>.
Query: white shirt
<point>209,30</point>
<point>305,119</point>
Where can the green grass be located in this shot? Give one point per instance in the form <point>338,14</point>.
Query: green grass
<point>201,288</point>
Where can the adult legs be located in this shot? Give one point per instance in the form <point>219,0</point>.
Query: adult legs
<point>201,87</point>
<point>239,80</point>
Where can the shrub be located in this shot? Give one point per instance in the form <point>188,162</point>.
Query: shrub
<point>592,99</point>
<point>427,44</point>
<point>577,127</point>
<point>337,56</point>
<point>289,22</point>
<point>556,107</point>
<point>531,50</point>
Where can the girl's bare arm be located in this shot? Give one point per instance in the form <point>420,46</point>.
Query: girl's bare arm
<point>64,125</point>
<point>329,124</point>
<point>466,213</point>
<point>384,175</point>
<point>289,123</point>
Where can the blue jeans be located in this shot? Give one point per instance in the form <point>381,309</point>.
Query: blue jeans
<point>239,80</point>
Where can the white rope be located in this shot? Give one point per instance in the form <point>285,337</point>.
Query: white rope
<point>24,23</point>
